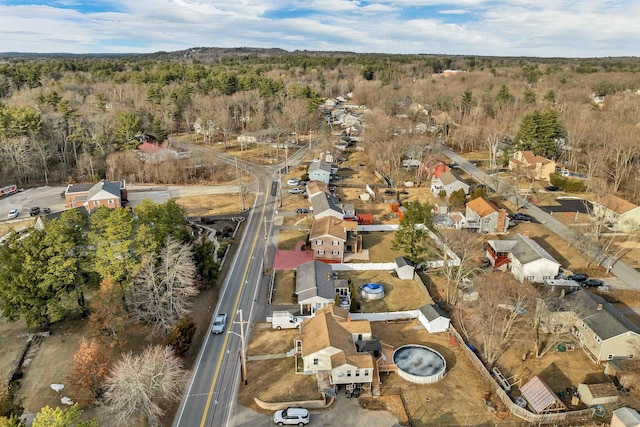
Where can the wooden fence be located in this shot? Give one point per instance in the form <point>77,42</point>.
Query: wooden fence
<point>525,414</point>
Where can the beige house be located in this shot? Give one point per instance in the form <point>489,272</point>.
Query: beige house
<point>601,330</point>
<point>539,167</point>
<point>328,344</point>
<point>618,213</point>
<point>331,237</point>
<point>448,183</point>
<point>486,217</point>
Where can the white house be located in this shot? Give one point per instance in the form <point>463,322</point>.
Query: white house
<point>315,286</point>
<point>448,183</point>
<point>434,318</point>
<point>526,259</point>
<point>618,213</point>
<point>320,171</point>
<point>329,347</point>
<point>326,204</point>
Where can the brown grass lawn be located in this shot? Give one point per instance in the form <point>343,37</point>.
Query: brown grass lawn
<point>6,227</point>
<point>13,341</point>
<point>379,245</point>
<point>266,340</point>
<point>399,294</point>
<point>288,239</point>
<point>284,286</point>
<point>214,204</point>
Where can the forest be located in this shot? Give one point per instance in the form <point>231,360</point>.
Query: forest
<point>79,118</point>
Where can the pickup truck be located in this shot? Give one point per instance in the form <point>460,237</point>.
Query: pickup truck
<point>219,323</point>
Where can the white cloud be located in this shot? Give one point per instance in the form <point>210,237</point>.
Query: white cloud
<point>453,11</point>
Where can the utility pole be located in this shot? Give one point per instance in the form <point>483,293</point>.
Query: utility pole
<point>243,356</point>
<point>280,185</point>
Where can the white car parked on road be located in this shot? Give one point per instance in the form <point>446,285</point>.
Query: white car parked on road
<point>292,181</point>
<point>13,213</point>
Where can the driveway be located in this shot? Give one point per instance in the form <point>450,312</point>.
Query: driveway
<point>344,412</point>
<point>569,204</point>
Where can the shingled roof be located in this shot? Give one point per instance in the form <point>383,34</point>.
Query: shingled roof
<point>601,317</point>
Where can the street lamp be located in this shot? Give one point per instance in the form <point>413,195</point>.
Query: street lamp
<point>243,356</point>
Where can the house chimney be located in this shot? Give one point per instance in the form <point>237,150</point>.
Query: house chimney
<point>525,233</point>
<point>348,318</point>
<point>599,307</point>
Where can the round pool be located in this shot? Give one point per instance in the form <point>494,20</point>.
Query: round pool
<point>372,291</point>
<point>419,364</point>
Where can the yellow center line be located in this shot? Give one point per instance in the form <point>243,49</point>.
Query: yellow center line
<point>235,308</point>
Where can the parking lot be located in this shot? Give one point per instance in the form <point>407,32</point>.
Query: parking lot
<point>42,197</point>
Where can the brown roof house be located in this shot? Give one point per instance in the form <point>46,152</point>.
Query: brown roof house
<point>486,217</point>
<point>317,286</point>
<point>331,238</point>
<point>618,213</point>
<point>328,345</point>
<point>539,167</point>
<point>448,183</point>
<point>91,196</point>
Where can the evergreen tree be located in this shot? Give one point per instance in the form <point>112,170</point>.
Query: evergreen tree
<point>539,132</point>
<point>412,234</point>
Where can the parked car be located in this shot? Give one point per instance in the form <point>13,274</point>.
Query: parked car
<point>219,323</point>
<point>592,283</point>
<point>552,188</point>
<point>521,217</point>
<point>46,210</point>
<point>577,277</point>
<point>13,213</point>
<point>296,190</point>
<point>292,181</point>
<point>302,211</point>
<point>34,211</point>
<point>291,416</point>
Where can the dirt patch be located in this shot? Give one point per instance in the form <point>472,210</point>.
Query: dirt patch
<point>266,340</point>
<point>6,227</point>
<point>391,403</point>
<point>14,340</point>
<point>213,204</point>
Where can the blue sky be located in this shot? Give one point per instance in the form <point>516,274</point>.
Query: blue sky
<point>569,28</point>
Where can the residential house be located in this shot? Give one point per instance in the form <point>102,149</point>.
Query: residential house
<point>326,204</point>
<point>440,207</point>
<point>328,345</point>
<point>602,331</point>
<point>434,171</point>
<point>484,216</point>
<point>331,238</point>
<point>538,166</point>
<point>320,171</point>
<point>526,259</point>
<point>91,196</point>
<point>316,187</point>
<point>433,318</point>
<point>404,268</point>
<point>255,137</point>
<point>618,213</point>
<point>316,286</point>
<point>448,183</point>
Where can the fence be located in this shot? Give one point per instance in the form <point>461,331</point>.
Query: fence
<point>525,414</point>
<point>364,266</point>
<point>384,316</point>
<point>272,280</point>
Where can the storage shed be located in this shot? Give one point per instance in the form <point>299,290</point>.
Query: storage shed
<point>597,394</point>
<point>434,318</point>
<point>404,268</point>
<point>625,417</point>
<point>540,397</point>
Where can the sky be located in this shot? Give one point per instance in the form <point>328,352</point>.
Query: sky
<point>544,28</point>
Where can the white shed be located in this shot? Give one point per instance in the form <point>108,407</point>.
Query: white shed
<point>434,318</point>
<point>404,268</point>
<point>598,394</point>
<point>625,417</point>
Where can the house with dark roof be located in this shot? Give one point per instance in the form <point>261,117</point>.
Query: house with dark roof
<point>448,182</point>
<point>524,257</point>
<point>328,345</point>
<point>326,204</point>
<point>434,318</point>
<point>484,216</point>
<point>316,287</point>
<point>603,332</point>
<point>104,193</point>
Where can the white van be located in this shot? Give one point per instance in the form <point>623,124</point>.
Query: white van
<point>291,416</point>
<point>284,320</point>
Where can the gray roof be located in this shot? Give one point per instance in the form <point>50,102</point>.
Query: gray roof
<point>313,166</point>
<point>313,278</point>
<point>325,201</point>
<point>607,322</point>
<point>449,178</point>
<point>78,188</point>
<point>432,312</point>
<point>112,188</point>
<point>402,262</point>
<point>522,248</point>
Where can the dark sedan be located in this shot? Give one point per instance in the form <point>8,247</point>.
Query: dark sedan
<point>592,283</point>
<point>577,277</point>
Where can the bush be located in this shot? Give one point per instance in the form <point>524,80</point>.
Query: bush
<point>570,185</point>
<point>180,335</point>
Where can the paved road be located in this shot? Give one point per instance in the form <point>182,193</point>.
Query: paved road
<point>627,274</point>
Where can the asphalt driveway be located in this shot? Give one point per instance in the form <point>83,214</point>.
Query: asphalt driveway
<point>569,205</point>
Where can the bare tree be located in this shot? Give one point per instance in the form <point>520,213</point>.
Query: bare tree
<point>461,242</point>
<point>553,321</point>
<point>162,290</point>
<point>500,308</point>
<point>140,386</point>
